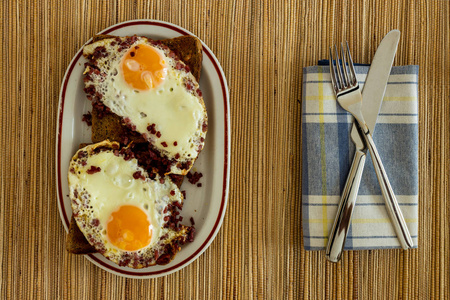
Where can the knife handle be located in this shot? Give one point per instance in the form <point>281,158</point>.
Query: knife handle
<point>392,207</point>
<point>338,234</point>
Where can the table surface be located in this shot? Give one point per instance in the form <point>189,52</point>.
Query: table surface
<point>262,46</point>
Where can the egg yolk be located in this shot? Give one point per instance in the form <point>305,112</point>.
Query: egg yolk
<point>143,67</point>
<point>129,229</point>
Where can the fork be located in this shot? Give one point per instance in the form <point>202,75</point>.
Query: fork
<point>348,94</point>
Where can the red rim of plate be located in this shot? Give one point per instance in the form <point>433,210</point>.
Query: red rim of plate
<point>217,223</point>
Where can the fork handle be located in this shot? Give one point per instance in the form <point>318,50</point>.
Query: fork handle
<point>338,234</point>
<point>389,197</point>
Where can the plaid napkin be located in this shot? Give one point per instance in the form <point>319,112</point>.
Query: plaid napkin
<point>328,151</point>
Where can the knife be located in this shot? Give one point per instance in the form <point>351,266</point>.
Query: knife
<point>373,92</point>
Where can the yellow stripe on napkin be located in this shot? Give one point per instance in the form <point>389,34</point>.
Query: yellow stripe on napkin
<point>323,156</point>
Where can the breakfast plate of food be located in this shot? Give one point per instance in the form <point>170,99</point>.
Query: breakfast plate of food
<point>143,149</point>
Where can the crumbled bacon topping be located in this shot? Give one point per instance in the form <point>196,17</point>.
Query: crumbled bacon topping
<point>93,170</point>
<point>138,175</point>
<point>194,177</point>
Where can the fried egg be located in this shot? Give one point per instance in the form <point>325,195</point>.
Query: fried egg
<point>145,83</point>
<point>121,211</point>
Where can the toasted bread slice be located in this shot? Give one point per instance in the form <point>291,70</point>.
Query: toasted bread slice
<point>172,234</point>
<point>76,242</point>
<point>172,118</point>
<point>189,50</point>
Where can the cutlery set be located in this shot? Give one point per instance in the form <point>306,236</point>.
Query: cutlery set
<point>364,108</point>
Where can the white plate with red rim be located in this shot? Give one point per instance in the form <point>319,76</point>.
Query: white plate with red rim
<point>206,204</point>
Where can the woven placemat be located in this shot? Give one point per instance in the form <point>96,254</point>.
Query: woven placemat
<point>262,46</point>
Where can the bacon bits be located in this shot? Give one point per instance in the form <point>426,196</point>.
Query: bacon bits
<point>151,128</point>
<point>193,178</point>
<point>93,170</point>
<point>138,175</point>
<point>87,118</point>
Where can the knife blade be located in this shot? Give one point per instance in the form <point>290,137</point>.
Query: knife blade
<point>372,94</point>
<point>376,82</point>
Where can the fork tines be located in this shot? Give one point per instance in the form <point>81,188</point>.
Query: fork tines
<point>343,73</point>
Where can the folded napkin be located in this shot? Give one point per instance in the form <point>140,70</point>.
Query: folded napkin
<point>327,154</point>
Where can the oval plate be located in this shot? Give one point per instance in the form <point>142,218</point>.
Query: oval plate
<point>206,204</point>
